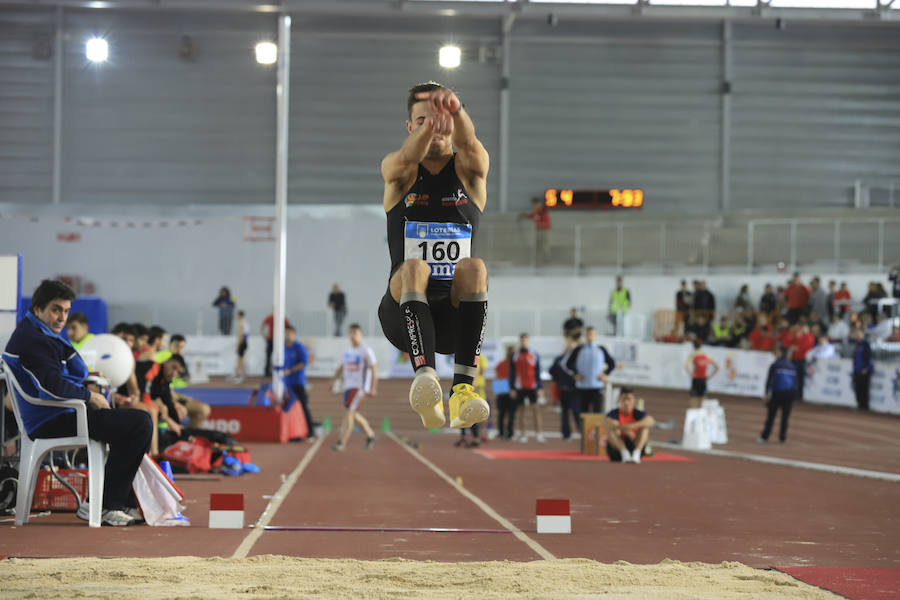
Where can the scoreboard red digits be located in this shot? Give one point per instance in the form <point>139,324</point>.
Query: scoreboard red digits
<point>594,199</point>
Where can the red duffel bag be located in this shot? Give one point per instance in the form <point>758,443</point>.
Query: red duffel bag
<point>196,458</point>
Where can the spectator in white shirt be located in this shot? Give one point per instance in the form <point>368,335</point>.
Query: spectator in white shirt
<point>839,330</point>
<point>882,328</point>
<point>823,350</point>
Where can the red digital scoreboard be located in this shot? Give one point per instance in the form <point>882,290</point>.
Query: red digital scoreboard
<point>594,199</point>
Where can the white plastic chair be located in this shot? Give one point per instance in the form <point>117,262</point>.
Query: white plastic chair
<point>33,451</point>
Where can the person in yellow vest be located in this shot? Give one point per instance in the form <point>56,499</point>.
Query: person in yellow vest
<point>722,332</point>
<point>77,328</point>
<point>176,346</point>
<point>196,411</point>
<point>619,303</point>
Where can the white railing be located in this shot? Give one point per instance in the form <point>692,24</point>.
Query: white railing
<point>838,244</point>
<point>834,243</point>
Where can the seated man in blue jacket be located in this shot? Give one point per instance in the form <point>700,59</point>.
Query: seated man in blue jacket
<point>60,372</point>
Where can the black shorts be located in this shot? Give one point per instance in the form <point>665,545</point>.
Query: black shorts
<point>698,387</point>
<point>444,316</point>
<point>242,349</point>
<point>616,456</point>
<point>526,396</point>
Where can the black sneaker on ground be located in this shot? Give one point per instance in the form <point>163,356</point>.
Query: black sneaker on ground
<point>369,443</point>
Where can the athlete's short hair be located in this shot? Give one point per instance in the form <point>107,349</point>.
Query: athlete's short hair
<point>177,337</point>
<point>177,358</point>
<point>78,317</point>
<point>428,86</point>
<point>626,390</point>
<point>290,328</point>
<point>49,290</point>
<point>697,343</point>
<point>154,333</point>
<point>120,328</point>
<point>355,326</point>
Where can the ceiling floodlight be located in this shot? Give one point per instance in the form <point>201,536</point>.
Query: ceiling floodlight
<point>96,50</point>
<point>450,57</point>
<point>266,53</point>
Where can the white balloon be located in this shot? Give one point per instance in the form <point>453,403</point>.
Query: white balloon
<point>110,356</point>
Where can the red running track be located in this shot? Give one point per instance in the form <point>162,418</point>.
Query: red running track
<point>711,509</point>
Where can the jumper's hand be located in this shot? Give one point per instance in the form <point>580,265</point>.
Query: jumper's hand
<point>439,124</point>
<point>441,101</point>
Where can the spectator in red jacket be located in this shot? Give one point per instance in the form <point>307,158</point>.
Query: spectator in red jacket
<point>763,336</point>
<point>842,300</point>
<point>526,385</point>
<point>267,330</point>
<point>506,406</point>
<point>797,299</point>
<point>802,341</point>
<point>540,214</point>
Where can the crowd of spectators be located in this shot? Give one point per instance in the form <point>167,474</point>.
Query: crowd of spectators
<point>146,414</point>
<point>791,312</point>
<point>157,381</point>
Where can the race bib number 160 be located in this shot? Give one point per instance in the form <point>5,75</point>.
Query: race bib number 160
<point>441,245</point>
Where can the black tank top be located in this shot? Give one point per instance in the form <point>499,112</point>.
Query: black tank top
<point>439,198</point>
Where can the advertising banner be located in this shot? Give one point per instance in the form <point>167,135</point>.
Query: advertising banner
<point>741,372</point>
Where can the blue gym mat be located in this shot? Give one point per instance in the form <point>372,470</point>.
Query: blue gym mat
<point>219,396</point>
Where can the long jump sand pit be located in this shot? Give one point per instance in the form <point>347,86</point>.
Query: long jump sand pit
<point>302,578</point>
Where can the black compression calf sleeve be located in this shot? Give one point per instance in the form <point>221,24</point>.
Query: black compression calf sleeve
<point>419,329</point>
<point>472,321</point>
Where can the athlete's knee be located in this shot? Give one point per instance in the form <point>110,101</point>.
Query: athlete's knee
<point>470,275</point>
<point>471,267</point>
<point>416,268</point>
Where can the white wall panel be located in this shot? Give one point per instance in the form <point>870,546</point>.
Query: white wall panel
<point>815,107</point>
<point>348,99</point>
<point>625,107</point>
<point>149,127</point>
<point>26,106</point>
<point>594,104</point>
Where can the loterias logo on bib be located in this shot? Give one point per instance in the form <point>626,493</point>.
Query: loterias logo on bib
<point>445,229</point>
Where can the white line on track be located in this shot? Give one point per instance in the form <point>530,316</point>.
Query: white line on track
<point>540,550</point>
<point>244,549</point>
<point>785,462</point>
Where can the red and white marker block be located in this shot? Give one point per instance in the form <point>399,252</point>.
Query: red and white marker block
<point>554,516</point>
<point>226,511</point>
